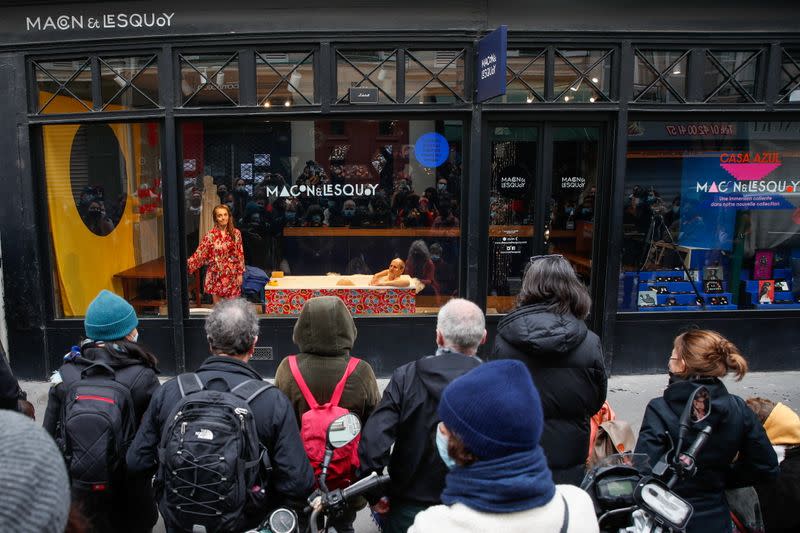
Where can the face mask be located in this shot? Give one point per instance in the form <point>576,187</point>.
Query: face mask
<point>290,215</point>
<point>441,187</point>
<point>316,220</point>
<point>435,257</point>
<point>584,211</point>
<point>241,189</point>
<point>135,338</point>
<point>348,212</point>
<point>230,205</point>
<point>441,446</point>
<point>675,209</point>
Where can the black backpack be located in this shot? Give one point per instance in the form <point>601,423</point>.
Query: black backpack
<point>96,426</point>
<point>212,468</point>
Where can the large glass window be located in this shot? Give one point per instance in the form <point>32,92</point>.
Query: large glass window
<point>327,204</point>
<point>711,217</point>
<point>103,186</point>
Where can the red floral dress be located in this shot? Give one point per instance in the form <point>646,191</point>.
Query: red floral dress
<point>224,257</point>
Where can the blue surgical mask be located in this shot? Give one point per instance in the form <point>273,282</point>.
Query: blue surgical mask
<point>135,338</point>
<point>290,215</point>
<point>441,187</point>
<point>435,257</point>
<point>441,445</point>
<point>348,212</point>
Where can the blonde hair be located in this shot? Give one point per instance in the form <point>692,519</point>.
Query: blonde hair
<point>707,353</point>
<point>229,229</point>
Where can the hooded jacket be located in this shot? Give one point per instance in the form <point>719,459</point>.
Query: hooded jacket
<point>780,498</point>
<point>325,333</point>
<point>406,418</point>
<point>565,360</point>
<point>737,453</point>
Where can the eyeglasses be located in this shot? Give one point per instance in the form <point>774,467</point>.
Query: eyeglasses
<point>535,258</point>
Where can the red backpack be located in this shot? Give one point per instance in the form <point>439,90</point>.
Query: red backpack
<point>314,429</point>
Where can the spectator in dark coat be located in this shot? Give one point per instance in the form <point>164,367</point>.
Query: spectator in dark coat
<point>738,452</point>
<point>780,498</point>
<point>111,338</point>
<point>565,359</point>
<point>232,332</point>
<point>400,433</point>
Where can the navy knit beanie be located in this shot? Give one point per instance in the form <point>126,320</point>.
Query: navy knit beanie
<point>494,409</point>
<point>109,317</point>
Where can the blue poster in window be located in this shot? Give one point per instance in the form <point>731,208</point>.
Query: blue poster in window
<point>491,67</point>
<point>431,150</point>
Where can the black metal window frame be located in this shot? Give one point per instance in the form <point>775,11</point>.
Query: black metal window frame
<point>794,79</point>
<point>757,54</point>
<point>661,75</point>
<point>94,61</point>
<point>259,55</point>
<point>584,75</point>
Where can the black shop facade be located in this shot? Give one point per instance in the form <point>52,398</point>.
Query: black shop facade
<point>660,156</point>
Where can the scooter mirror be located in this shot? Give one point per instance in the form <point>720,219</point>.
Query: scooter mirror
<point>343,430</point>
<point>701,405</point>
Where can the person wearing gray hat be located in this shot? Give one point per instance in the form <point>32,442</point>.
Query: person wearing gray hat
<point>123,502</point>
<point>34,485</point>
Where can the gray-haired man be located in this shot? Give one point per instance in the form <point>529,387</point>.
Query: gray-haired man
<point>232,332</point>
<point>406,416</point>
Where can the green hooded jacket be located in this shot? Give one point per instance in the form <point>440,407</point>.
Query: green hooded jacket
<point>325,333</point>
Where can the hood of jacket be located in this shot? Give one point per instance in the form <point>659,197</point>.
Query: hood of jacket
<point>113,358</point>
<point>680,390</point>
<point>437,371</point>
<point>325,327</point>
<point>532,328</point>
<point>783,426</point>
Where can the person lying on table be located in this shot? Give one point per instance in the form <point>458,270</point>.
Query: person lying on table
<point>392,276</point>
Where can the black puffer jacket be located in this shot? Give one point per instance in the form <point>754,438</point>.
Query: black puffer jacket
<point>406,418</point>
<point>565,360</point>
<point>736,434</point>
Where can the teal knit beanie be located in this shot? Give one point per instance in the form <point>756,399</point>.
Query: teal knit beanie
<point>109,317</point>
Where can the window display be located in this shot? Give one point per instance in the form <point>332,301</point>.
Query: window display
<point>711,217</point>
<point>106,217</point>
<point>324,206</point>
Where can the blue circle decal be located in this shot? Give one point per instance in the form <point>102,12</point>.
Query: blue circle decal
<point>431,150</point>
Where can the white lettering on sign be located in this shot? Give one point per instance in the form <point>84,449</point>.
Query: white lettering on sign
<point>105,21</point>
<point>573,182</point>
<point>328,189</point>
<point>513,182</point>
<point>488,66</point>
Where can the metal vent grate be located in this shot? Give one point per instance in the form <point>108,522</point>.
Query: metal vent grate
<point>262,353</point>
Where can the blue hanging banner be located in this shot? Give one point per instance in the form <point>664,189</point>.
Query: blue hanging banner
<point>491,68</point>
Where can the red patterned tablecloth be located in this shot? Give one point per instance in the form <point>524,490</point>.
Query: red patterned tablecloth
<point>361,301</point>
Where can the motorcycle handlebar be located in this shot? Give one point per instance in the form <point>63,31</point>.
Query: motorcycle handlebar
<point>364,485</point>
<point>699,442</point>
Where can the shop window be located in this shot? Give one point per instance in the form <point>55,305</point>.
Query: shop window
<point>730,76</point>
<point>328,204</point>
<point>209,80</point>
<point>525,77</point>
<point>790,77</point>
<point>582,76</point>
<point>129,82</point>
<point>659,76</point>
<point>514,153</point>
<point>64,86</point>
<point>285,78</point>
<point>434,76</point>
<point>364,68</point>
<point>711,219</point>
<point>103,184</point>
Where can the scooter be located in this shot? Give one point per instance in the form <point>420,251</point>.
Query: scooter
<point>324,504</point>
<point>627,500</point>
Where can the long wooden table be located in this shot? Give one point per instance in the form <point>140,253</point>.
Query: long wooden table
<point>150,270</point>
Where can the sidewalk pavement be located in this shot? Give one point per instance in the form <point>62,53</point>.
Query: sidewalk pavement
<point>628,396</point>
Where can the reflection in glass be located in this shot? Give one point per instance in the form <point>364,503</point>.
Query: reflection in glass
<point>62,84</point>
<point>582,75</point>
<point>576,159</point>
<point>283,77</point>
<point>671,65</point>
<point>710,219</point>
<point>448,84</point>
<point>129,82</point>
<point>103,185</point>
<point>211,79</point>
<point>514,151</point>
<point>720,66</point>
<point>358,68</point>
<point>524,77</point>
<point>790,77</point>
<point>343,197</point>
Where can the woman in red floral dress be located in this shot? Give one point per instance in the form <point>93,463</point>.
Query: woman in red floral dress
<point>221,250</point>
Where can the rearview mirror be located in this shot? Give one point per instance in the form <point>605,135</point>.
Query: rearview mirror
<point>701,405</point>
<point>343,430</point>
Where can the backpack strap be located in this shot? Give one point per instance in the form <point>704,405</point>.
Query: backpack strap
<point>248,390</point>
<point>337,392</point>
<point>301,383</point>
<point>189,383</point>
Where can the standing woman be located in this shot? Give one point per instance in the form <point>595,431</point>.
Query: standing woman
<point>221,250</point>
<point>738,452</point>
<point>547,332</point>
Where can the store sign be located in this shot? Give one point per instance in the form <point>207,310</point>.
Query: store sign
<point>363,95</point>
<point>431,150</point>
<point>327,190</point>
<point>573,182</point>
<point>104,21</point>
<point>491,67</point>
<point>511,245</point>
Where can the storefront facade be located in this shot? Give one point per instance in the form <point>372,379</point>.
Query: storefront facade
<point>658,152</point>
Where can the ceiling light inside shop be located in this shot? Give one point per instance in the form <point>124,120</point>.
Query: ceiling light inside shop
<point>266,104</point>
<point>566,98</point>
<point>677,70</point>
<point>592,99</point>
<point>287,103</point>
<point>595,80</point>
<point>529,99</point>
